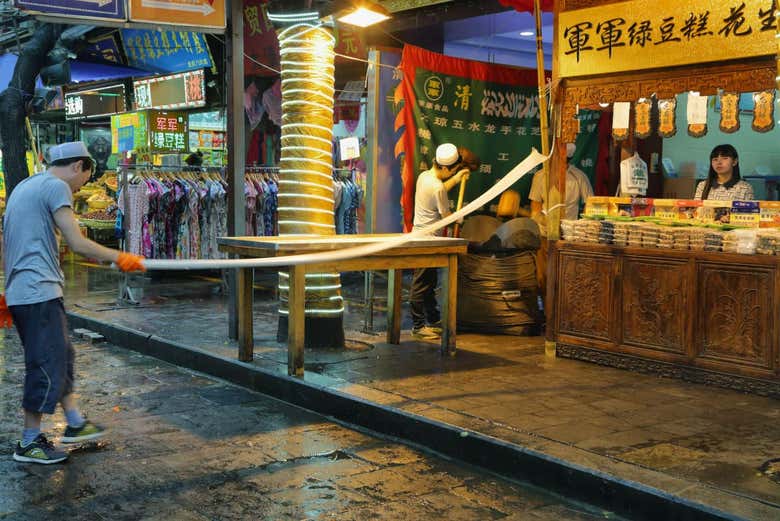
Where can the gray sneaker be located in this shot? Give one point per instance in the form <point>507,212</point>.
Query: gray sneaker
<point>40,450</point>
<point>425,333</point>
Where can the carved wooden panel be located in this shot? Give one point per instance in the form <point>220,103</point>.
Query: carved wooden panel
<point>654,303</point>
<point>735,314</point>
<point>743,77</point>
<point>585,296</point>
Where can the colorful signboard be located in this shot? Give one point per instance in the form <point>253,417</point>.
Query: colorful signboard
<point>210,120</point>
<point>491,110</point>
<point>261,45</point>
<point>663,33</point>
<point>185,90</point>
<point>93,103</point>
<point>196,13</point>
<point>129,132</point>
<point>165,51</point>
<point>167,132</point>
<point>105,48</point>
<point>111,10</point>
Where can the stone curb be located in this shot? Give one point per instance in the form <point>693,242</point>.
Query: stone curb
<point>621,496</point>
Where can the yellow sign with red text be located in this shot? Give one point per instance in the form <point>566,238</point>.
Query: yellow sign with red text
<point>196,13</point>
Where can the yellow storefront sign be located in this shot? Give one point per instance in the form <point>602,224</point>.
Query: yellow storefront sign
<point>644,34</point>
<point>196,13</point>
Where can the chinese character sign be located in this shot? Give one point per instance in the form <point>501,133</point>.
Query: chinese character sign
<point>167,131</point>
<point>261,46</point>
<point>129,132</point>
<point>494,113</point>
<point>165,51</point>
<point>663,33</point>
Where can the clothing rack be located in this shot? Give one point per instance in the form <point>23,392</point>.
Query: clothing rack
<point>127,291</point>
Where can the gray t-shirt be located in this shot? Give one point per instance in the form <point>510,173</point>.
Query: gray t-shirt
<point>30,248</point>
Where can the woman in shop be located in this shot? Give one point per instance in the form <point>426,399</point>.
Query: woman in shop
<point>723,182</point>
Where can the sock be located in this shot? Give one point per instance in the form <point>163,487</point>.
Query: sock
<point>75,419</point>
<point>29,435</point>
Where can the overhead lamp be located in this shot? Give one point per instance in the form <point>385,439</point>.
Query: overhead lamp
<point>527,33</point>
<point>365,14</point>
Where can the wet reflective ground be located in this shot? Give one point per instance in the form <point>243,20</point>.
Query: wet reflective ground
<point>187,447</point>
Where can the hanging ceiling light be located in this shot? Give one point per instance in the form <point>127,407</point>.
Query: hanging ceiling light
<point>363,14</point>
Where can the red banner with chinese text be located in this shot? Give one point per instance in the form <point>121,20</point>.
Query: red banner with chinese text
<point>261,45</point>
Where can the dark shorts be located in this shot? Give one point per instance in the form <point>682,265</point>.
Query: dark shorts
<point>48,354</point>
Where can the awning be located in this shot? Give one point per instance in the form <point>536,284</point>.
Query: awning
<point>80,71</point>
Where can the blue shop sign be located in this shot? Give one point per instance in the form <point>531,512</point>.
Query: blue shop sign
<point>90,9</point>
<point>165,51</point>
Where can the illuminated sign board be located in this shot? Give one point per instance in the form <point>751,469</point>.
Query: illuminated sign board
<point>175,91</point>
<point>93,103</point>
<point>167,131</point>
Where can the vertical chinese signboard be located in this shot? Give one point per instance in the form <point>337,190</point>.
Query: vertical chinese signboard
<point>261,45</point>
<point>663,33</point>
<point>491,110</point>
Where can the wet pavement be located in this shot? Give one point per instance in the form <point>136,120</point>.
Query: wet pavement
<point>705,443</point>
<point>184,446</point>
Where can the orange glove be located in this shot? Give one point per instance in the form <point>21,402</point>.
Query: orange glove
<point>130,262</point>
<point>5,314</point>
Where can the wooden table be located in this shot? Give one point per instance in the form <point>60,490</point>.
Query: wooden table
<point>429,252</point>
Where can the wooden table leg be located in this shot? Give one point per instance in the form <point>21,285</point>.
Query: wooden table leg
<point>450,305</point>
<point>244,305</point>
<point>394,279</point>
<point>296,323</point>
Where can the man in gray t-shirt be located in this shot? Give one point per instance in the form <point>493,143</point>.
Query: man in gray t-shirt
<point>38,207</point>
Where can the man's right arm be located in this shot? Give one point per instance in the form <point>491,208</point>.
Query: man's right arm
<point>66,222</point>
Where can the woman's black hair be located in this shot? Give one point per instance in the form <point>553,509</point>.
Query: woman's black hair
<point>89,163</point>
<point>712,177</point>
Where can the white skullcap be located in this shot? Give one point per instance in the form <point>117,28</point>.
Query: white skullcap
<point>447,154</point>
<point>68,150</point>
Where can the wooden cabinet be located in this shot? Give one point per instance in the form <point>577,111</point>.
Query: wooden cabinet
<point>710,315</point>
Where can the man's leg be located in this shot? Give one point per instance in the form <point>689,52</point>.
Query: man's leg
<point>417,298</point>
<point>431,306</point>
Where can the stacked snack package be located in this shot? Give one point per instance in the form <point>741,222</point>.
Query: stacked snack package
<point>713,240</point>
<point>620,233</point>
<point>567,229</point>
<point>681,238</point>
<point>635,234</point>
<point>650,236</point>
<point>606,232</point>
<point>768,242</point>
<point>696,237</point>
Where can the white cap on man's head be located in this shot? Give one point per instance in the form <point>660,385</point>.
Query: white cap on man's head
<point>70,150</point>
<point>447,154</point>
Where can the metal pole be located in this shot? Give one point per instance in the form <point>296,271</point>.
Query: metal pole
<point>372,133</point>
<point>236,143</point>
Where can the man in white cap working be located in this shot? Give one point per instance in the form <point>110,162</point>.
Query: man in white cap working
<point>578,190</point>
<point>431,204</point>
<point>38,207</point>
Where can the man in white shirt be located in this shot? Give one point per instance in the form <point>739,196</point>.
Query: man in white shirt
<point>431,204</point>
<point>578,189</point>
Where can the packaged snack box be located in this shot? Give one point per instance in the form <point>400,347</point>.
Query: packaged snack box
<point>597,205</point>
<point>642,207</point>
<point>665,209</point>
<point>769,214</point>
<point>715,212</point>
<point>688,210</point>
<point>619,207</point>
<point>746,214</point>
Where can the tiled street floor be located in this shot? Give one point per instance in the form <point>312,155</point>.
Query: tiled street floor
<point>701,436</point>
<point>184,446</point>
